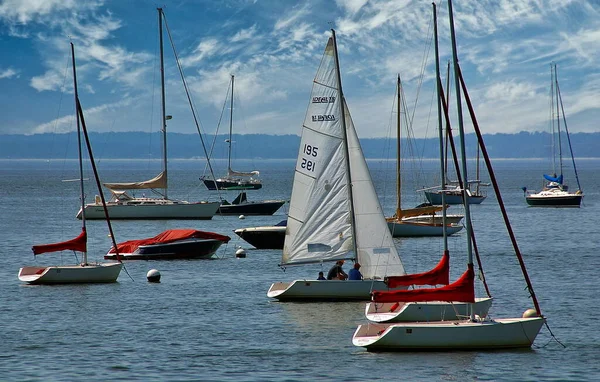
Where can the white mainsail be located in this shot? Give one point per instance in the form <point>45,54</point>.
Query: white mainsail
<point>319,224</point>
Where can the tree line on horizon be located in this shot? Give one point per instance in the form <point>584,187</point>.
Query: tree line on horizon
<point>139,145</point>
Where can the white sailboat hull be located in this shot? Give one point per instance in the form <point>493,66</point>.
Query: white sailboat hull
<point>71,274</point>
<point>449,335</point>
<point>418,229</point>
<point>325,290</point>
<point>425,311</point>
<point>152,209</point>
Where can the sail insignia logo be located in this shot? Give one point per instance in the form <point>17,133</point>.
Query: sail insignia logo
<point>323,118</point>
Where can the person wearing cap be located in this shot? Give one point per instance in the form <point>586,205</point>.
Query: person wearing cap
<point>336,272</point>
<point>354,273</point>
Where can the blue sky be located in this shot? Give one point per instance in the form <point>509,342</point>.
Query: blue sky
<point>274,47</point>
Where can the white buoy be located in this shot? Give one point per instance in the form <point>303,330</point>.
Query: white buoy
<point>530,313</point>
<point>242,217</point>
<point>240,253</point>
<point>153,276</point>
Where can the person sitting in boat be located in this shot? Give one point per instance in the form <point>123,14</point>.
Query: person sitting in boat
<point>336,272</point>
<point>354,273</point>
<point>321,277</point>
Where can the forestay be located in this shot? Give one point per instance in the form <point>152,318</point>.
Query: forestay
<point>320,215</point>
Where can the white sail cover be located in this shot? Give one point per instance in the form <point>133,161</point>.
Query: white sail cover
<point>232,173</point>
<point>160,181</point>
<point>319,224</point>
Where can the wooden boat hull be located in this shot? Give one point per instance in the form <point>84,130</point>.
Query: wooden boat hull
<point>571,200</point>
<point>449,335</point>
<point>267,207</point>
<point>71,274</point>
<point>410,229</point>
<point>223,184</point>
<point>325,290</point>
<point>152,210</point>
<point>435,219</point>
<point>436,198</point>
<point>425,311</point>
<point>269,237</point>
<point>184,249</point>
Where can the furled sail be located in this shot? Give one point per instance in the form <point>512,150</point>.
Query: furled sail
<point>160,181</point>
<point>557,179</point>
<point>462,290</point>
<point>77,244</point>
<point>440,275</point>
<point>232,173</point>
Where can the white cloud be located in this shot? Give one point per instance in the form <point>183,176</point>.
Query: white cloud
<point>8,73</point>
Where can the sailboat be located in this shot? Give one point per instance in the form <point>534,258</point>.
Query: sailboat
<point>419,221</point>
<point>84,271</point>
<point>556,193</point>
<point>334,212</point>
<point>474,332</point>
<point>234,180</point>
<point>122,205</point>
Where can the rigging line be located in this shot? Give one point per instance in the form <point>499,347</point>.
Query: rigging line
<point>567,131</point>
<point>218,125</point>
<point>189,98</point>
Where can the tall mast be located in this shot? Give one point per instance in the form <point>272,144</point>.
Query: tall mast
<point>162,88</point>
<point>560,161</point>
<point>461,130</point>
<point>345,136</point>
<point>230,127</point>
<point>398,164</point>
<point>438,82</point>
<point>82,191</point>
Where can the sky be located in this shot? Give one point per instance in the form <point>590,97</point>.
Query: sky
<point>273,47</point>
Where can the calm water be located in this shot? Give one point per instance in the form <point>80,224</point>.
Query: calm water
<point>211,320</point>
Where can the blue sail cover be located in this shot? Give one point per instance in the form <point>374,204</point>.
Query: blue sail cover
<point>557,179</point>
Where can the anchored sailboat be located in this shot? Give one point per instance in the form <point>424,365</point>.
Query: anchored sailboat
<point>474,332</point>
<point>556,193</point>
<point>84,271</point>
<point>125,206</point>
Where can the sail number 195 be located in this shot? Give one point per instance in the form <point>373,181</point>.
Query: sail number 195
<point>311,151</point>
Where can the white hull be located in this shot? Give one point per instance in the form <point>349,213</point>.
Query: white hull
<point>425,311</point>
<point>71,274</point>
<point>152,209</point>
<point>417,229</point>
<point>325,290</point>
<point>436,219</point>
<point>449,335</point>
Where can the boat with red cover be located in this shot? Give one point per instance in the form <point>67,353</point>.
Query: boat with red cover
<point>171,244</point>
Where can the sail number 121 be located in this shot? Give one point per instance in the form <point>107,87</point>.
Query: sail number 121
<point>311,151</point>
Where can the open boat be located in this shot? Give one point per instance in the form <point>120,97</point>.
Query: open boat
<point>84,271</point>
<point>334,211</point>
<point>122,205</point>
<point>474,332</point>
<point>234,180</point>
<point>241,206</point>
<point>265,237</point>
<point>556,193</point>
<point>170,245</point>
<point>419,221</point>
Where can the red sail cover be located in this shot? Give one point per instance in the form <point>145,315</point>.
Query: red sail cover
<point>440,275</point>
<point>77,244</point>
<point>462,290</point>
<point>168,236</point>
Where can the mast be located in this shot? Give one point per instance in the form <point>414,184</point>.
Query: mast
<point>440,127</point>
<point>345,136</point>
<point>82,191</point>
<point>560,161</point>
<point>461,130</point>
<point>230,127</point>
<point>398,164</point>
<point>162,89</point>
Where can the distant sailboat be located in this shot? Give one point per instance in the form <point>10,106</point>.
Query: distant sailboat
<point>556,193</point>
<point>84,271</point>
<point>234,180</point>
<point>125,206</point>
<point>473,332</point>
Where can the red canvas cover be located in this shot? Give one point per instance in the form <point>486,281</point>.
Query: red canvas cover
<point>462,290</point>
<point>168,236</point>
<point>77,244</point>
<point>440,275</point>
